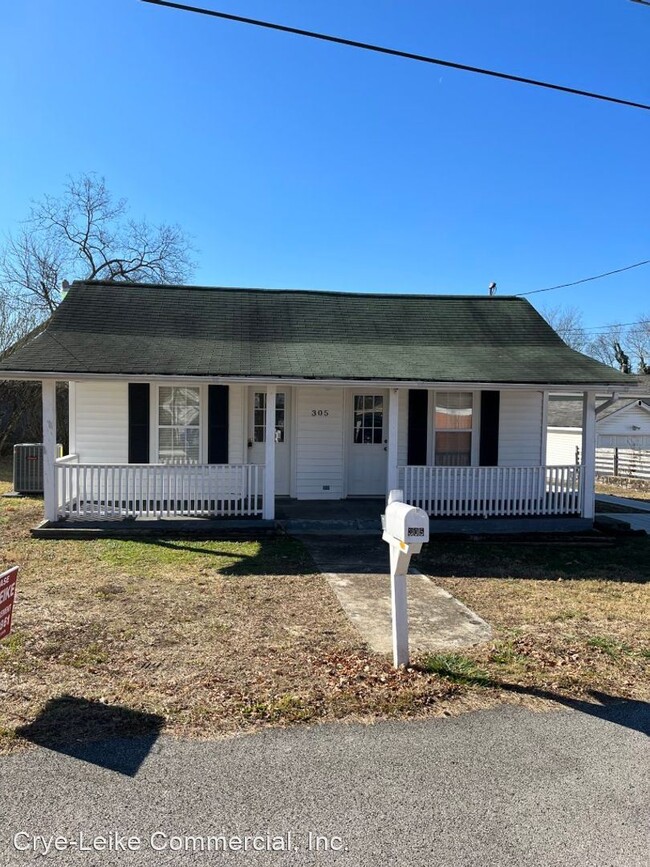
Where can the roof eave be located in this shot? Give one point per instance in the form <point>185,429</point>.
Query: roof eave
<point>550,386</point>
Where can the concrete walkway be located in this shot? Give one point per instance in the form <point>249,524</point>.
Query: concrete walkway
<point>357,571</point>
<point>628,502</point>
<point>639,519</point>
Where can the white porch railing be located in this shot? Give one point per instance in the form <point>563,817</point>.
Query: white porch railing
<point>492,491</point>
<point>104,491</point>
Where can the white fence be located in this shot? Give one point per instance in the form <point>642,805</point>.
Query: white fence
<point>104,491</point>
<point>630,463</point>
<point>487,491</point>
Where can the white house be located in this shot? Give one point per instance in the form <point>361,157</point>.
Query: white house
<point>210,401</point>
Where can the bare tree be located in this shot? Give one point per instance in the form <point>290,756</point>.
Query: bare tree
<point>603,345</point>
<point>567,321</point>
<point>638,337</point>
<point>15,324</point>
<point>622,358</point>
<point>87,234</point>
<point>83,234</point>
<point>30,271</point>
<point>627,348</point>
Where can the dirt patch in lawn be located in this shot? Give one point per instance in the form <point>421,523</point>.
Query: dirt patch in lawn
<point>214,637</point>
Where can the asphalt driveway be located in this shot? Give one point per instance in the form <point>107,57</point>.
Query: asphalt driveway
<point>503,787</point>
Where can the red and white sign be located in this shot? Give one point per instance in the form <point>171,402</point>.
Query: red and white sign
<point>7,593</point>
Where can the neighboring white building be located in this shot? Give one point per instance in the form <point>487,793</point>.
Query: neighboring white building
<point>210,401</point>
<point>622,434</point>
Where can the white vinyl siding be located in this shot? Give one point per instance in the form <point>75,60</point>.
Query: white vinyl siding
<point>624,421</point>
<point>319,443</point>
<point>520,429</point>
<point>561,447</point>
<point>101,422</point>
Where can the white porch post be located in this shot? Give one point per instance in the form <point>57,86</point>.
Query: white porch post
<point>49,449</point>
<point>393,429</point>
<point>588,469</point>
<point>268,506</point>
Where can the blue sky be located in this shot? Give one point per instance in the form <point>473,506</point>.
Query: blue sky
<point>304,165</point>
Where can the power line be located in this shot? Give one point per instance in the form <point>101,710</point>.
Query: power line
<point>584,279</point>
<point>393,52</point>
<point>605,327</point>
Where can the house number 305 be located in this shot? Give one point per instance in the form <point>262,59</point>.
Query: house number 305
<point>322,412</point>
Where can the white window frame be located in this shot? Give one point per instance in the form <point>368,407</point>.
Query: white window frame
<point>475,429</point>
<point>154,438</point>
<point>252,426</point>
<point>384,395</point>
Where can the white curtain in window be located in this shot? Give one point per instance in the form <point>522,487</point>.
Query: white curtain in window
<point>179,417</point>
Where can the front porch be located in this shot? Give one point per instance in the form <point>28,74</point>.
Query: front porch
<point>356,516</point>
<point>78,488</point>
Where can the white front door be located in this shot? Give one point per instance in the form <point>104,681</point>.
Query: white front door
<point>367,438</point>
<point>257,437</point>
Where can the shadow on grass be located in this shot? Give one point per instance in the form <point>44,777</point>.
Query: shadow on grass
<point>538,558</point>
<point>114,737</point>
<point>629,713</point>
<point>626,560</point>
<point>275,555</point>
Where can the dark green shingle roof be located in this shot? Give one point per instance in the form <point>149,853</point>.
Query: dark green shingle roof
<point>118,328</point>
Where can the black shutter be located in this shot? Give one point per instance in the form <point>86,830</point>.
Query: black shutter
<point>139,414</point>
<point>489,451</point>
<point>218,424</point>
<point>418,426</point>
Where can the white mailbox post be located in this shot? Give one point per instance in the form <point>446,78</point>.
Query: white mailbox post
<point>406,529</point>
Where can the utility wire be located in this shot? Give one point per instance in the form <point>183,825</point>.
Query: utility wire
<point>393,52</point>
<point>605,327</point>
<point>577,282</point>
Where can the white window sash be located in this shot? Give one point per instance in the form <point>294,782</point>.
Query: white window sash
<point>473,431</point>
<point>155,424</point>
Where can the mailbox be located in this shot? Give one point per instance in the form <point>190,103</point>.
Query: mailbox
<point>406,529</point>
<point>406,523</point>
